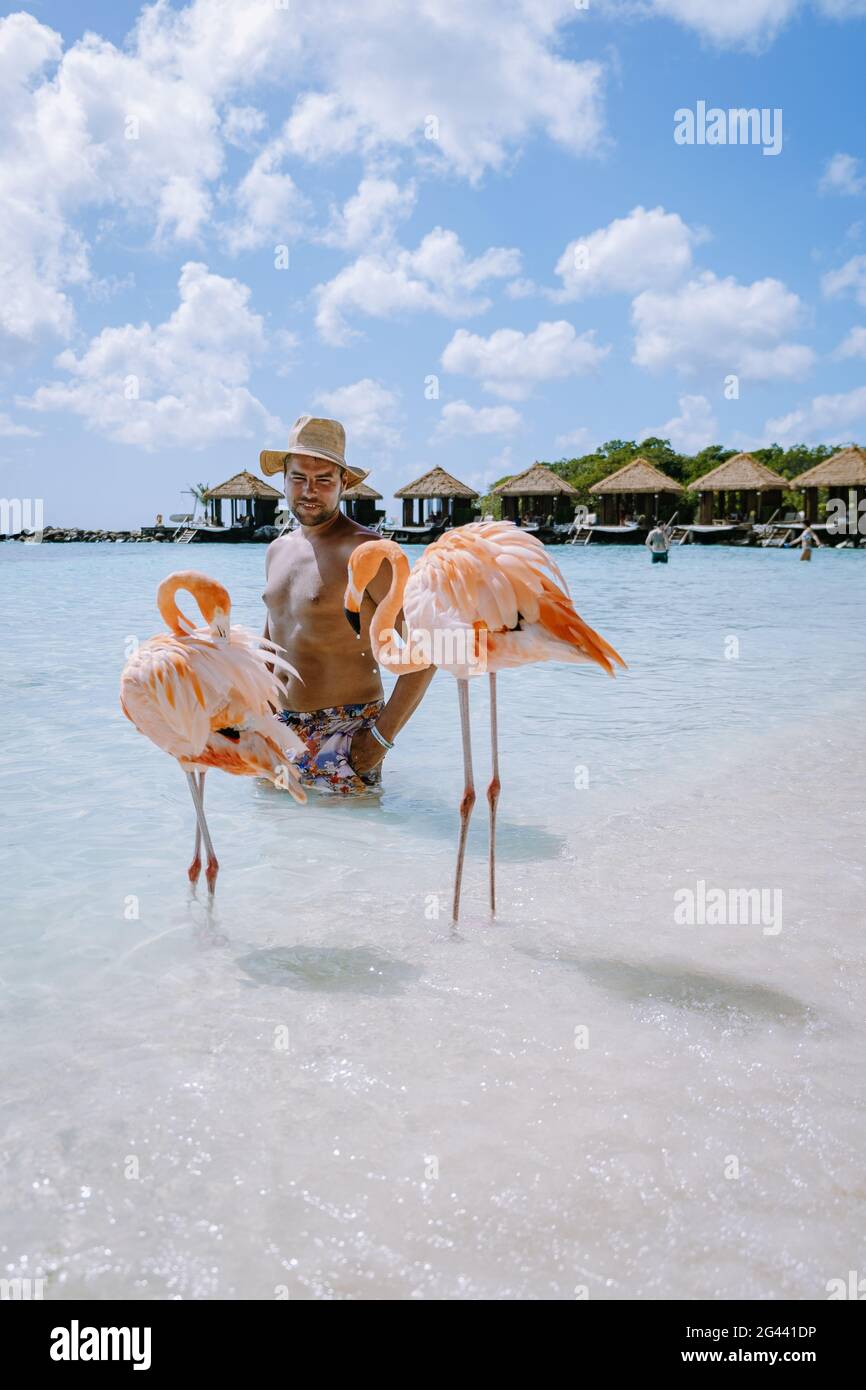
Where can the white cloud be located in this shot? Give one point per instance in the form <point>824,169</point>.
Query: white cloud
<point>854,345</point>
<point>488,74</point>
<point>9,429</point>
<point>510,363</point>
<point>521,288</point>
<point>842,175</point>
<point>369,217</point>
<point>851,276</point>
<point>241,124</point>
<point>180,383</point>
<point>692,430</point>
<point>101,128</point>
<point>458,417</point>
<point>272,209</point>
<point>575,439</point>
<point>369,77</point>
<point>368,412</point>
<point>320,128</point>
<point>731,22</point>
<point>646,248</point>
<point>750,24</point>
<point>437,277</point>
<point>142,126</point>
<point>824,420</point>
<point>721,323</point>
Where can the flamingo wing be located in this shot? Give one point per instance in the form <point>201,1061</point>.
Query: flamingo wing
<point>165,694</point>
<point>494,576</point>
<point>178,689</point>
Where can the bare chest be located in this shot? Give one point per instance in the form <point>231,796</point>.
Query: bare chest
<point>303,582</point>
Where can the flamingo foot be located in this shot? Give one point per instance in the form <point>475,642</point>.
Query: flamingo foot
<point>196,787</point>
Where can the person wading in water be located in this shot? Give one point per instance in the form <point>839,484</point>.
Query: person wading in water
<point>337,707</point>
<point>659,544</point>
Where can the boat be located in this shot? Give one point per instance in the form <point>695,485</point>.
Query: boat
<point>780,534</point>
<point>631,534</point>
<point>724,533</point>
<point>415,535</point>
<point>200,532</point>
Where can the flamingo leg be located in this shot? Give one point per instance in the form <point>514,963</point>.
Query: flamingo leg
<point>468,791</point>
<point>197,790</point>
<point>195,867</point>
<point>493,791</point>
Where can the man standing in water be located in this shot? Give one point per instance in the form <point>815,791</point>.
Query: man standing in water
<point>659,543</point>
<point>337,707</point>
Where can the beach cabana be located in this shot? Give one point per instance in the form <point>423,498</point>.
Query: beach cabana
<point>536,494</point>
<point>253,502</point>
<point>742,485</point>
<point>443,496</point>
<point>628,490</point>
<point>839,476</point>
<point>359,502</point>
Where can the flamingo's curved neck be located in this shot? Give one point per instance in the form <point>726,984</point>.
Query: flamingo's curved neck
<point>211,607</point>
<point>172,616</point>
<point>388,647</point>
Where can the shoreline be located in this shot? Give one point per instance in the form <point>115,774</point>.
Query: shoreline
<point>146,535</point>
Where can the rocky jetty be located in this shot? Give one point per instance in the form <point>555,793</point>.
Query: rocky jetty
<point>59,535</point>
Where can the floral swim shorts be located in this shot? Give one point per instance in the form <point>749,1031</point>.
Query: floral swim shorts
<point>327,734</point>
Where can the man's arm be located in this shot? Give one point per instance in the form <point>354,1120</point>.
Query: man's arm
<point>405,699</point>
<point>366,752</point>
<point>267,631</point>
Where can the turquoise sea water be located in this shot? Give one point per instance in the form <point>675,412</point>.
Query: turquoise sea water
<point>318,1087</point>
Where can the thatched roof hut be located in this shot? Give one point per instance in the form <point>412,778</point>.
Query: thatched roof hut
<point>639,476</point>
<point>844,470</point>
<point>359,502</point>
<point>625,491</point>
<point>537,491</point>
<point>261,500</point>
<point>742,473</point>
<point>744,486</point>
<point>839,474</point>
<point>361,490</point>
<point>537,481</point>
<point>436,485</point>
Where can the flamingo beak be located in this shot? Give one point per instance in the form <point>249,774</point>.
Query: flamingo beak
<point>354,621</point>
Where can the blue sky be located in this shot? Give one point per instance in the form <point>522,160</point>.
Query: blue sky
<point>565,269</point>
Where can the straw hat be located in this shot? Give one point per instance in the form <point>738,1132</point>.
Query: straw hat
<point>319,439</point>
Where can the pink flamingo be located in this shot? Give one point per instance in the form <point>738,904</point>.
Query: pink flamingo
<point>204,695</point>
<point>484,597</point>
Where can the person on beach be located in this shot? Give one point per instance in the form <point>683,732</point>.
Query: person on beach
<point>807,540</point>
<point>337,707</point>
<point>659,544</point>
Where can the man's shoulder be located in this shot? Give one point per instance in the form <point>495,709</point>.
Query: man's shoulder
<point>280,546</point>
<point>354,534</point>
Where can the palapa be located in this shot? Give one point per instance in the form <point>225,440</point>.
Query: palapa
<point>845,469</point>
<point>742,473</point>
<point>243,485</point>
<point>359,491</point>
<point>537,481</point>
<point>636,477</point>
<point>436,483</point>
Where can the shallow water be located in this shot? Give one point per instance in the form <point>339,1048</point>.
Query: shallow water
<point>320,1089</point>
